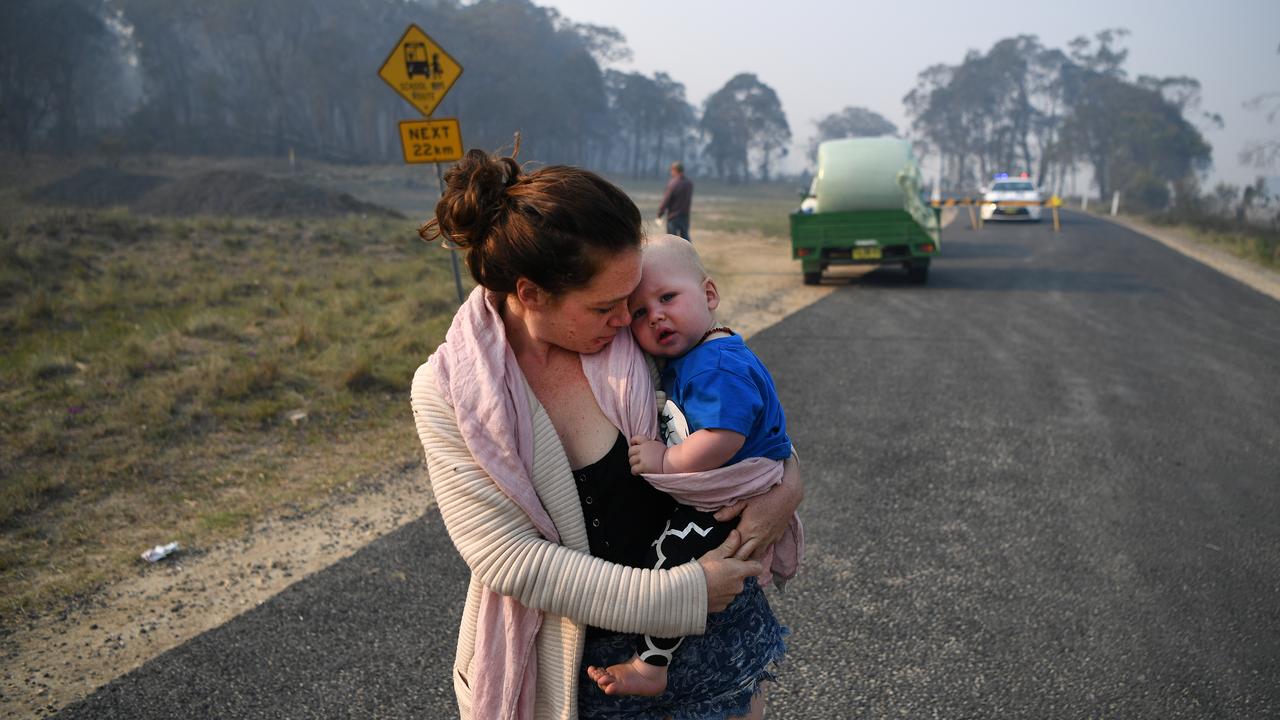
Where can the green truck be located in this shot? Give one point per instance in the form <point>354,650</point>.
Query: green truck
<point>865,208</point>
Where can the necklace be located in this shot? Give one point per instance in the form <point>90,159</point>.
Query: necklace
<point>714,330</point>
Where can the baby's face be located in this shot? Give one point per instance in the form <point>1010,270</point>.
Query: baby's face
<point>672,308</point>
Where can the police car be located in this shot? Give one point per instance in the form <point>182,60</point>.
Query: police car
<point>1011,198</point>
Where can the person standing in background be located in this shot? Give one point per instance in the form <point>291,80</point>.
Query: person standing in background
<point>677,202</point>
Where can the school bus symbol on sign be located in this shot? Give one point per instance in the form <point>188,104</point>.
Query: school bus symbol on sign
<point>431,141</point>
<point>420,70</point>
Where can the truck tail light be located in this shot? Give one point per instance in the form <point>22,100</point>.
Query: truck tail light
<point>803,252</point>
<point>926,248</point>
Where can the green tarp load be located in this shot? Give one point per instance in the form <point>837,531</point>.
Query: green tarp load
<point>871,174</point>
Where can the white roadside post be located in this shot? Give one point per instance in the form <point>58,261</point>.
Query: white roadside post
<point>1115,203</point>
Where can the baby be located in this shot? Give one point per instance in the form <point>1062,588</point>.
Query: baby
<point>729,402</point>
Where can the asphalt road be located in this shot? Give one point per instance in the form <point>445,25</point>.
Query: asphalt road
<point>1045,485</point>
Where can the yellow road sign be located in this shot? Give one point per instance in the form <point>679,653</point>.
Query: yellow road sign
<point>420,70</point>
<point>431,141</point>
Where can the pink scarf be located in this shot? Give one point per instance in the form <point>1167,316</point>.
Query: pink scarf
<point>477,374</point>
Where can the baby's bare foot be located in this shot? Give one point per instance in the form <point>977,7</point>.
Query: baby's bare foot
<point>634,677</point>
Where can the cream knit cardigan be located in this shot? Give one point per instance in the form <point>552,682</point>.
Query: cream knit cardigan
<point>498,542</point>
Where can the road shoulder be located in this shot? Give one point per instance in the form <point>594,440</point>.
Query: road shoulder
<point>57,659</point>
<point>1259,278</point>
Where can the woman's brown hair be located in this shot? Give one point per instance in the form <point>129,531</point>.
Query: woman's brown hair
<point>554,226</point>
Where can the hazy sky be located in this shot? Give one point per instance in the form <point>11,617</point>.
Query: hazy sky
<point>821,56</point>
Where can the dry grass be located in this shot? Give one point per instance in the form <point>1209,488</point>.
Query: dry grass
<point>155,374</point>
<point>757,207</point>
<point>1256,247</point>
<point>1253,243</point>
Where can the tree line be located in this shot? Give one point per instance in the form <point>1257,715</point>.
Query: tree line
<point>245,77</point>
<point>1045,111</point>
<point>252,78</point>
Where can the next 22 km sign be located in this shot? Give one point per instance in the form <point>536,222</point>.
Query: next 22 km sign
<point>431,141</point>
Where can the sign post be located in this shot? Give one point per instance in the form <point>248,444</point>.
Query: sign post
<point>1055,202</point>
<point>422,72</point>
<point>453,252</point>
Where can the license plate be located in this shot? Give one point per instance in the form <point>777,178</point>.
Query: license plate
<point>872,253</point>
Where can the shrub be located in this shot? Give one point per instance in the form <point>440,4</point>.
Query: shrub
<point>1147,192</point>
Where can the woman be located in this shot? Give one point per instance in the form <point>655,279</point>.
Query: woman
<point>522,413</point>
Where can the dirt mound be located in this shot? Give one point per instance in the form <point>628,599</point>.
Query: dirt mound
<point>97,187</point>
<point>233,192</point>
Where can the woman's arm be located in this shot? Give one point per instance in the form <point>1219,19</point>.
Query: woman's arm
<point>765,517</point>
<point>505,552</point>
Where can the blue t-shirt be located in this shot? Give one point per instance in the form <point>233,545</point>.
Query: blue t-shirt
<point>722,385</point>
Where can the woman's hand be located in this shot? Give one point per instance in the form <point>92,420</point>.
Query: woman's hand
<point>765,517</point>
<point>725,573</point>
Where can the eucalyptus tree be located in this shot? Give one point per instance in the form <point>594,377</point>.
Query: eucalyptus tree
<point>1131,135</point>
<point>740,119</point>
<point>936,128</point>
<point>849,123</point>
<point>653,118</point>
<point>954,110</point>
<point>634,99</point>
<point>1263,153</point>
<point>1047,97</point>
<point>1134,135</point>
<point>725,123</point>
<point>676,123</point>
<point>1101,55</point>
<point>995,111</point>
<point>63,73</point>
<point>173,61</point>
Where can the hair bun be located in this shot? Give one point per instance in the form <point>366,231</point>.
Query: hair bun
<point>475,198</point>
<point>555,226</point>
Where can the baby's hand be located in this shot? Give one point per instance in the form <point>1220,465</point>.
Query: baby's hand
<point>646,455</point>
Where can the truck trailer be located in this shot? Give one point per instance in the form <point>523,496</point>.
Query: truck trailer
<point>865,208</point>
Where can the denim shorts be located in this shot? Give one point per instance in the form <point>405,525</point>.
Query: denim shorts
<point>713,675</point>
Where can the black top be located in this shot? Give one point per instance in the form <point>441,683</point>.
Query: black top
<point>623,512</point>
